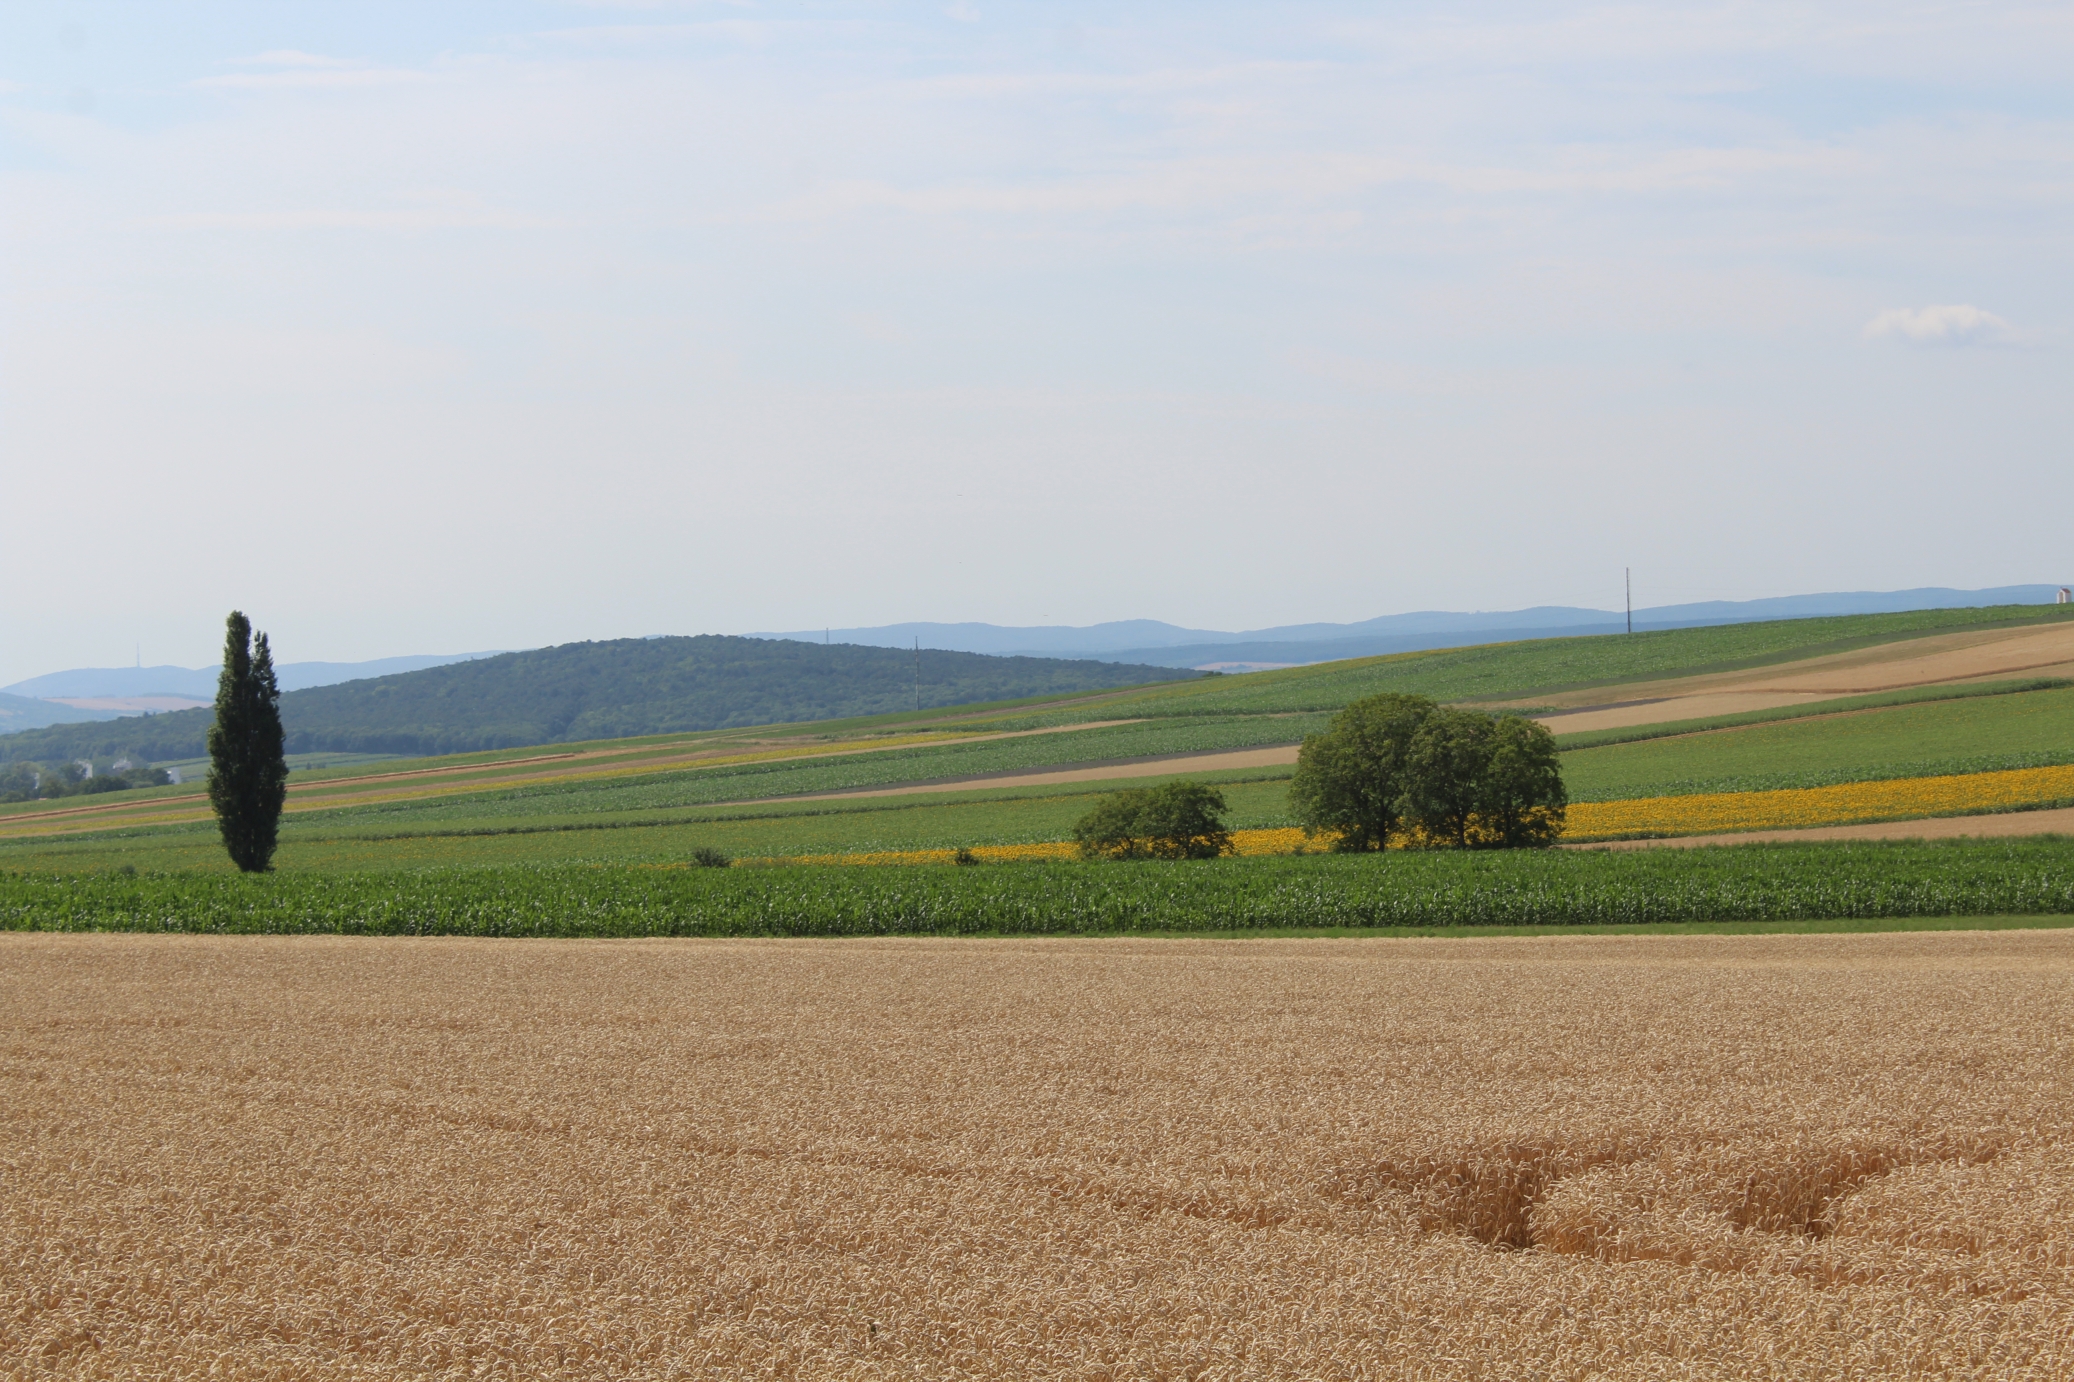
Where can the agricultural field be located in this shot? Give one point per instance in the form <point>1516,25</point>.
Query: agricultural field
<point>1001,776</point>
<point>1978,734</point>
<point>1416,890</point>
<point>1896,762</point>
<point>1720,1156</point>
<point>778,829</point>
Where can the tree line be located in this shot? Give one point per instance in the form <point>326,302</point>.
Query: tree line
<point>44,781</point>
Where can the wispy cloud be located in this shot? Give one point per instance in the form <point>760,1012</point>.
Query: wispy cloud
<point>295,68</point>
<point>293,57</point>
<point>1955,324</point>
<point>434,211</point>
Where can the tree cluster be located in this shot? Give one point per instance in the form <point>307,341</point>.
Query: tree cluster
<point>1405,769</point>
<point>44,781</point>
<point>1175,820</point>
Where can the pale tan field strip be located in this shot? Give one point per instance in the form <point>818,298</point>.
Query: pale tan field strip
<point>2001,825</point>
<point>1578,1157</point>
<point>1952,658</point>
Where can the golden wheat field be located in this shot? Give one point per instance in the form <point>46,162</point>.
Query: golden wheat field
<point>1576,1157</point>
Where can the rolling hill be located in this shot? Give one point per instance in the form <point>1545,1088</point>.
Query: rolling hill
<point>606,690</point>
<point>25,712</point>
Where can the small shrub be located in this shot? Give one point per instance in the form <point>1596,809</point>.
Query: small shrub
<point>1175,820</point>
<point>965,858</point>
<point>707,857</point>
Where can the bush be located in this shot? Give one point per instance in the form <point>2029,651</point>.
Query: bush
<point>1175,820</point>
<point>707,857</point>
<point>965,858</point>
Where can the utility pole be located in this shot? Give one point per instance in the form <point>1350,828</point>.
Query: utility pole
<point>918,674</point>
<point>1627,578</point>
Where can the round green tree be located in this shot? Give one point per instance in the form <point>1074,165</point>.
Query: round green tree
<point>1350,780</point>
<point>1523,798</point>
<point>1444,771</point>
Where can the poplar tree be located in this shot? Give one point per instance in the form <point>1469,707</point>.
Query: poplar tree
<point>248,768</point>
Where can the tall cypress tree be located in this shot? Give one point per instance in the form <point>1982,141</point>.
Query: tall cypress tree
<point>248,770</point>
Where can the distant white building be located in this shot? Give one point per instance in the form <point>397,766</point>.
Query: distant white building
<point>85,766</point>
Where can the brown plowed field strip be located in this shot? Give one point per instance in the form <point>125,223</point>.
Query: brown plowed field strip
<point>1769,1157</point>
<point>1944,659</point>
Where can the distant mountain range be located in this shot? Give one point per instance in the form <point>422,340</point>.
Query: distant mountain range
<point>1158,644</point>
<point>199,683</point>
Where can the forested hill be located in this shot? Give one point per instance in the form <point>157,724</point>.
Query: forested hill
<point>608,690</point>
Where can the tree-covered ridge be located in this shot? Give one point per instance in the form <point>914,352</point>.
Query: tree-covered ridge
<point>605,690</point>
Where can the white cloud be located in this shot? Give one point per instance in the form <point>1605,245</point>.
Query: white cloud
<point>1956,324</point>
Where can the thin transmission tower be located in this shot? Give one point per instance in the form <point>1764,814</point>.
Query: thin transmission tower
<point>1627,578</point>
<point>918,674</point>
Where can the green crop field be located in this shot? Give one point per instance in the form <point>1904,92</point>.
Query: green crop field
<point>1525,888</point>
<point>358,841</point>
<point>2028,729</point>
<point>891,767</point>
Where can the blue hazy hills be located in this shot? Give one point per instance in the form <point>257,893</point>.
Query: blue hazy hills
<point>1151,642</point>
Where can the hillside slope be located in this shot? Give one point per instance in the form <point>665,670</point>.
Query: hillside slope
<point>24,712</point>
<point>607,690</point>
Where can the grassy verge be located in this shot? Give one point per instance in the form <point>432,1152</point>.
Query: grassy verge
<point>1745,883</point>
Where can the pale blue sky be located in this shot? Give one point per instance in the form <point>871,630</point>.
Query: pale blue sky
<point>417,328</point>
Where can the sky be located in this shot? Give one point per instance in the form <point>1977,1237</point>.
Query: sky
<point>414,328</point>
